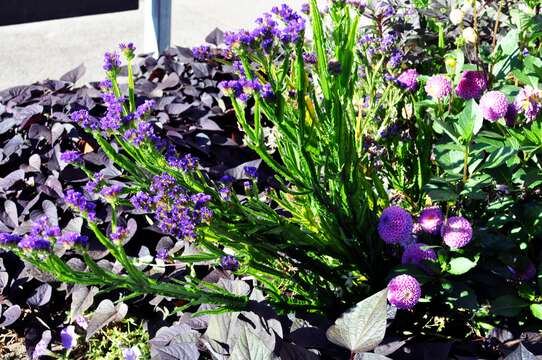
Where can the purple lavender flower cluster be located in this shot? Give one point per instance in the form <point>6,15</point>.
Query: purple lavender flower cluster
<point>177,212</point>
<point>282,26</point>
<point>243,89</point>
<point>111,61</point>
<point>384,47</point>
<point>80,203</point>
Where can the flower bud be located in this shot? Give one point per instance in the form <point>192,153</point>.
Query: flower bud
<point>470,36</point>
<point>456,16</point>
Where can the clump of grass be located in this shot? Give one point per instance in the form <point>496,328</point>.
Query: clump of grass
<point>109,342</point>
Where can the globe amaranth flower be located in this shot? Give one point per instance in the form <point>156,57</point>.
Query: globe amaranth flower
<point>529,102</point>
<point>71,156</point>
<point>472,85</point>
<point>408,80</point>
<point>456,232</point>
<point>395,225</point>
<point>229,262</point>
<point>416,254</point>
<point>438,87</point>
<point>404,291</point>
<point>72,239</point>
<point>68,337</point>
<point>494,105</point>
<point>79,202</point>
<point>431,219</point>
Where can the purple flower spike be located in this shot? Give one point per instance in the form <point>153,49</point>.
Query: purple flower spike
<point>128,50</point>
<point>438,87</point>
<point>404,291</point>
<point>132,353</point>
<point>414,254</point>
<point>68,337</point>
<point>431,219</point>
<point>71,156</point>
<point>229,262</point>
<point>494,105</point>
<point>34,243</point>
<point>79,202</point>
<point>472,85</point>
<point>9,239</point>
<point>408,80</point>
<point>456,232</point>
<point>111,61</point>
<point>110,193</point>
<point>162,254</point>
<point>71,239</point>
<point>84,120</point>
<point>251,171</point>
<point>395,225</point>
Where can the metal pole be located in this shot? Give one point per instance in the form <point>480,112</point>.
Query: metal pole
<point>157,25</point>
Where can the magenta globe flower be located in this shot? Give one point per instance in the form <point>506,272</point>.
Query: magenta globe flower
<point>408,80</point>
<point>395,225</point>
<point>494,105</point>
<point>456,232</point>
<point>415,254</point>
<point>431,219</point>
<point>472,85</point>
<point>438,87</point>
<point>404,291</point>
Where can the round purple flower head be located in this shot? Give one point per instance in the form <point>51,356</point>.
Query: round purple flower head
<point>408,80</point>
<point>68,337</point>
<point>404,291</point>
<point>456,232</point>
<point>493,105</point>
<point>414,254</point>
<point>472,85</point>
<point>395,225</point>
<point>431,219</point>
<point>438,87</point>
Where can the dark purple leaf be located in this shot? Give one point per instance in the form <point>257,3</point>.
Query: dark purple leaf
<point>41,296</point>
<point>521,353</point>
<point>11,315</point>
<point>73,75</point>
<point>215,37</point>
<point>106,313</point>
<point>10,180</point>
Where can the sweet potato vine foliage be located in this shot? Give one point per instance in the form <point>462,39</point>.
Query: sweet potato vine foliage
<point>416,173</point>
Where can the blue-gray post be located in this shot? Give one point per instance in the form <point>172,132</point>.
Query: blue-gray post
<point>157,25</point>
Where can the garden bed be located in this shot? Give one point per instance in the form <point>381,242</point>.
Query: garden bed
<point>280,197</point>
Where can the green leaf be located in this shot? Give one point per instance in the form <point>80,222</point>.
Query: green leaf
<point>508,305</point>
<point>470,120</point>
<point>499,156</point>
<point>363,327</point>
<point>508,45</point>
<point>461,265</point>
